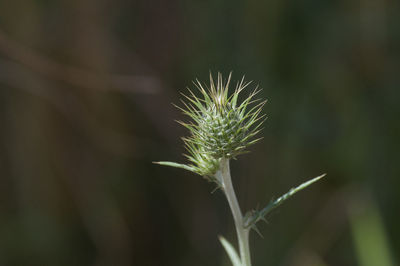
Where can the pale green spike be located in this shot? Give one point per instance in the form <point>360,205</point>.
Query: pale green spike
<point>196,103</point>
<point>255,228</point>
<point>235,95</point>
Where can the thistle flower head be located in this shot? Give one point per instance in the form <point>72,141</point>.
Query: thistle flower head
<point>220,126</point>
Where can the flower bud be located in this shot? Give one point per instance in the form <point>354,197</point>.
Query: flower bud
<point>221,128</point>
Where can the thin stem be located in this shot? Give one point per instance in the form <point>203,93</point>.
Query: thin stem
<point>242,232</point>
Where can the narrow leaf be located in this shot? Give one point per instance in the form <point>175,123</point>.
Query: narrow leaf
<point>231,251</point>
<point>259,215</point>
<point>177,165</point>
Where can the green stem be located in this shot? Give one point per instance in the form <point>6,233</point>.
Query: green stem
<point>242,232</point>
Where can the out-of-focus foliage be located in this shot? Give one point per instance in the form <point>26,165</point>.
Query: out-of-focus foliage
<point>369,234</point>
<point>85,93</point>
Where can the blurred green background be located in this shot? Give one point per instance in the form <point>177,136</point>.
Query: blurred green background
<point>85,106</point>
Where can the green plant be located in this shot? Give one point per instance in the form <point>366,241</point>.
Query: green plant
<point>221,128</point>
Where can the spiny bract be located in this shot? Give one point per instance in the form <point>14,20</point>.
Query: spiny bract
<point>221,127</point>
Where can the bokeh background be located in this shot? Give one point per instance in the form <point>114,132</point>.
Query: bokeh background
<point>85,107</point>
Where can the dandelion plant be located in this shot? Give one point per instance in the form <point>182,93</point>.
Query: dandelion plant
<point>221,128</point>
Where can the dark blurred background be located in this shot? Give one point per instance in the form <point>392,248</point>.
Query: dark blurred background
<point>85,107</point>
